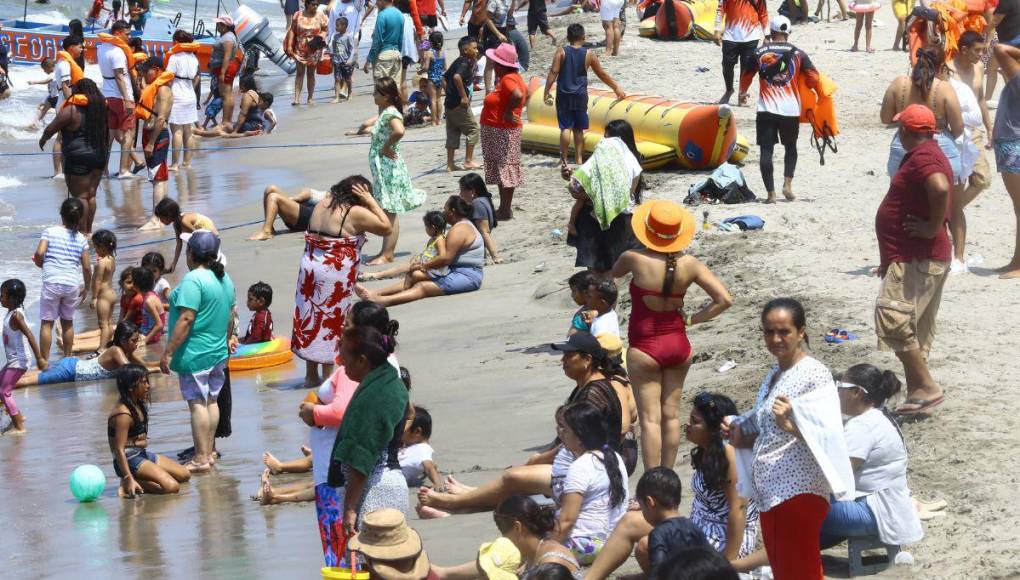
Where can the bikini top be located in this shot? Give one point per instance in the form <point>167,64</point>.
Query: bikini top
<point>137,429</point>
<point>340,230</point>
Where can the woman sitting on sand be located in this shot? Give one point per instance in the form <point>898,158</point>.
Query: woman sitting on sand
<point>464,256</point>
<point>295,211</point>
<point>928,84</point>
<point>121,351</point>
<point>598,381</point>
<point>483,213</point>
<point>329,266</point>
<point>127,428</point>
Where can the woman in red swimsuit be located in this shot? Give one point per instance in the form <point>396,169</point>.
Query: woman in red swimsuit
<point>659,354</point>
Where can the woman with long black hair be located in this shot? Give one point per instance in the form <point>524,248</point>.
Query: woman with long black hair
<point>85,136</point>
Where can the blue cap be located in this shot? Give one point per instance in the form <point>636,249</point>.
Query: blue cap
<point>203,244</point>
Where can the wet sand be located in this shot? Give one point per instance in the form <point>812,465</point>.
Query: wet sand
<point>479,361</point>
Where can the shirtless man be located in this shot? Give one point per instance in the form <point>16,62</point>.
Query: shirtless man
<point>971,72</point>
<point>154,110</point>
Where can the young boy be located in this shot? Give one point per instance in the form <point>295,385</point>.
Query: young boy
<point>570,67</point>
<point>52,90</point>
<point>213,104</point>
<point>602,296</point>
<point>433,67</point>
<point>342,48</point>
<point>538,19</point>
<point>260,329</point>
<point>416,455</point>
<point>579,284</point>
<point>419,111</point>
<point>460,120</point>
<point>658,493</point>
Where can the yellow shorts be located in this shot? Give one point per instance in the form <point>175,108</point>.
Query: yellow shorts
<point>907,304</point>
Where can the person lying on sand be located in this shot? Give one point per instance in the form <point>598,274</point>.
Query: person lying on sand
<point>295,211</point>
<point>122,351</point>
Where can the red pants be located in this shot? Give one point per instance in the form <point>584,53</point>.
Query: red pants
<point>791,532</point>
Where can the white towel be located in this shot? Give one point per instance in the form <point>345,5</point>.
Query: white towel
<point>818,418</point>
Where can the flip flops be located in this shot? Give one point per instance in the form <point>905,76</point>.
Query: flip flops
<point>839,336</point>
<point>918,406</point>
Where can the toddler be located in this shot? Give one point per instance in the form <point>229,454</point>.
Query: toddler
<point>579,284</point>
<point>17,339</point>
<point>416,455</point>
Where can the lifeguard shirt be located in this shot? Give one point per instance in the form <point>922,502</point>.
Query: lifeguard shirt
<point>746,20</point>
<point>908,196</point>
<point>779,66</point>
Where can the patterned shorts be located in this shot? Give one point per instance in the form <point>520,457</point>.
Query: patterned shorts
<point>1007,156</point>
<point>501,152</point>
<point>586,548</point>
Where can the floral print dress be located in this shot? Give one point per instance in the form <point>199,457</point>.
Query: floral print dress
<point>391,183</point>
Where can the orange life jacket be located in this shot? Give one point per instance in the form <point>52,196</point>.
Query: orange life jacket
<point>178,48</point>
<point>146,103</point>
<point>76,73</point>
<point>78,100</point>
<point>129,52</point>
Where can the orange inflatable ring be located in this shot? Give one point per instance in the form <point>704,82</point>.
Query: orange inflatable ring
<point>674,21</point>
<point>261,354</point>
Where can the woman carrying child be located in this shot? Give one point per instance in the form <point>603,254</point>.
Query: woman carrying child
<point>18,339</point>
<point>168,212</point>
<point>127,428</point>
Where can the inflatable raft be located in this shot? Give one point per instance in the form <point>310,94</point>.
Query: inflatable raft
<point>667,131</point>
<point>260,355</point>
<point>681,20</point>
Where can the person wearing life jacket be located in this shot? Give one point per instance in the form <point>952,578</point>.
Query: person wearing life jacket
<point>780,66</point>
<point>116,63</point>
<point>153,109</point>
<point>66,74</point>
<point>182,60</point>
<point>224,62</point>
<point>747,22</point>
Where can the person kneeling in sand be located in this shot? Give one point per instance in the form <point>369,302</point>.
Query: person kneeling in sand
<point>295,211</point>
<point>464,255</point>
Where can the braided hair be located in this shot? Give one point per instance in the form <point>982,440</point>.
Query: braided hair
<point>94,122</point>
<point>928,66</point>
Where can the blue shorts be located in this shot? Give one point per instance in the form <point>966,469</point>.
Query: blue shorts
<point>1007,156</point>
<point>135,458</point>
<point>62,371</point>
<point>459,280</point>
<point>571,118</point>
<point>848,519</point>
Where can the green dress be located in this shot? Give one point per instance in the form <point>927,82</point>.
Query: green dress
<point>391,184</point>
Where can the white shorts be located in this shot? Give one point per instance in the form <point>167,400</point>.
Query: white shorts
<point>609,10</point>
<point>203,385</point>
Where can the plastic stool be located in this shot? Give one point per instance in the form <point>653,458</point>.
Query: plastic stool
<point>855,553</point>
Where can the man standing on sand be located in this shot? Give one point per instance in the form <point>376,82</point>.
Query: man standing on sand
<point>154,109</point>
<point>117,88</point>
<point>747,22</point>
<point>913,243</point>
<point>779,66</point>
<point>387,39</point>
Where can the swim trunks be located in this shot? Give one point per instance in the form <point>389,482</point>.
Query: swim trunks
<point>156,163</point>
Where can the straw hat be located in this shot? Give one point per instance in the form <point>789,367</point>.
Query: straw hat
<point>663,226</point>
<point>386,540</point>
<point>499,559</point>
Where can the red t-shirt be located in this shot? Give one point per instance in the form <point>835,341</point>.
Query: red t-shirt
<point>133,303</point>
<point>497,101</point>
<point>260,329</point>
<point>907,196</point>
<point>426,7</point>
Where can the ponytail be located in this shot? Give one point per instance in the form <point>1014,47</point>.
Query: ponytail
<point>878,385</point>
<point>591,428</point>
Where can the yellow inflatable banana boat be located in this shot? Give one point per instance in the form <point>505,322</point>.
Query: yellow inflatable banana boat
<point>692,136</point>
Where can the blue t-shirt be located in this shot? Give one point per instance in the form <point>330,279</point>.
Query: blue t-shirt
<point>389,32</point>
<point>212,299</point>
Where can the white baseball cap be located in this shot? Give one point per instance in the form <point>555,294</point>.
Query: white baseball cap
<point>780,24</point>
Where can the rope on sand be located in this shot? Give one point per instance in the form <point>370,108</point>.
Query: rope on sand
<point>244,147</point>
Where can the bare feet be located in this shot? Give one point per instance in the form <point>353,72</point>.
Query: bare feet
<point>1010,274</point>
<point>12,430</point>
<point>788,194</point>
<point>261,236</point>
<point>853,48</point>
<point>870,50</point>
<point>172,168</point>
<point>725,98</point>
<point>365,293</point>
<point>335,100</point>
<point>152,224</point>
<point>429,513</point>
<point>431,498</point>
<point>272,463</point>
<point>771,198</point>
<point>504,214</point>
<point>469,165</point>
<point>267,490</point>
<point>257,496</point>
<point>194,467</point>
<point>452,168</point>
<point>454,487</point>
<point>380,260</point>
<point>306,450</point>
<point>742,100</point>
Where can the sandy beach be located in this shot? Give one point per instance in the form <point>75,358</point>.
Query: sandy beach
<point>480,361</point>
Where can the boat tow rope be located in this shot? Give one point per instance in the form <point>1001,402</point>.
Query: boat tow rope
<point>243,147</point>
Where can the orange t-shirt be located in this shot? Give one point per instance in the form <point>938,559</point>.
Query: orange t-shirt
<point>498,100</point>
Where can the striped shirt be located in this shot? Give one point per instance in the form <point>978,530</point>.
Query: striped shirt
<point>62,262</point>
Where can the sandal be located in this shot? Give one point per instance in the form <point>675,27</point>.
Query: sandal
<point>918,406</point>
<point>193,467</point>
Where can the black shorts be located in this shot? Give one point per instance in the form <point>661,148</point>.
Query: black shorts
<point>305,209</point>
<point>490,40</point>
<point>52,101</point>
<point>475,30</point>
<point>772,129</point>
<point>429,20</point>
<point>405,61</point>
<point>538,20</point>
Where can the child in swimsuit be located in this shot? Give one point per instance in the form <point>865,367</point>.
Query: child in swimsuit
<point>154,262</point>
<point>579,284</point>
<point>153,313</point>
<point>18,339</point>
<point>169,213</point>
<point>103,295</point>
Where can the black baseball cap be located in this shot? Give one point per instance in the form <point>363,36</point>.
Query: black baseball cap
<point>581,342</point>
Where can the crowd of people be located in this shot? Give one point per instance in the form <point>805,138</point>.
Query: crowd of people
<point>817,458</point>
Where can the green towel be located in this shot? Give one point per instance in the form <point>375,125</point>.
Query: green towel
<point>607,182</point>
<point>371,419</point>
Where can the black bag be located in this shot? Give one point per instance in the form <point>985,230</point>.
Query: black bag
<point>712,193</point>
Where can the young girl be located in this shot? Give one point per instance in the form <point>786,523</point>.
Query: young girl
<point>435,228</point>
<point>103,296</point>
<point>122,350</point>
<point>127,428</point>
<point>864,14</point>
<point>729,522</point>
<point>168,212</point>
<point>592,496</point>
<point>130,299</point>
<point>483,214</point>
<point>17,339</point>
<point>433,65</point>
<point>153,313</point>
<point>154,262</point>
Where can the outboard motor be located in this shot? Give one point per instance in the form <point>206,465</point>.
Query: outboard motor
<point>253,29</point>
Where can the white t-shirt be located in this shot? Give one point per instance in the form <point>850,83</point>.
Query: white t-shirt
<point>608,322</point>
<point>321,439</point>
<point>110,59</point>
<point>15,342</point>
<point>184,65</point>
<point>61,75</point>
<point>62,262</point>
<point>412,460</point>
<point>52,86</point>
<point>161,286</point>
<point>587,476</point>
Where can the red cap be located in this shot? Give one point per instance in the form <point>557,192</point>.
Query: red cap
<point>917,119</point>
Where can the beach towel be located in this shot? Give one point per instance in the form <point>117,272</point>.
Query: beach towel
<point>607,179</point>
<point>329,269</point>
<point>821,426</point>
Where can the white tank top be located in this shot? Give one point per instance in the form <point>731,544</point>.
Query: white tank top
<point>15,343</point>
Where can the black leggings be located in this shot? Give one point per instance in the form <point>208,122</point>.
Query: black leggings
<point>772,129</point>
<point>789,164</point>
<point>733,52</point>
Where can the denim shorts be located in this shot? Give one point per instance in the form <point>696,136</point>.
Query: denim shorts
<point>848,519</point>
<point>571,118</point>
<point>62,371</point>
<point>135,458</point>
<point>203,385</point>
<point>459,280</point>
